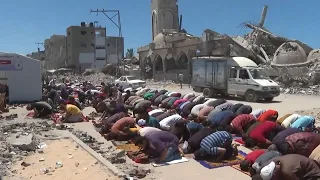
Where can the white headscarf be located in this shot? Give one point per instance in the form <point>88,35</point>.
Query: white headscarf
<point>267,171</point>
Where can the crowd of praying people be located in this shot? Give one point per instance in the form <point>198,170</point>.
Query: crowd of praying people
<point>168,124</point>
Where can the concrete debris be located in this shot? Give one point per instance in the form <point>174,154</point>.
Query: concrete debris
<point>95,78</point>
<point>24,143</point>
<point>18,139</point>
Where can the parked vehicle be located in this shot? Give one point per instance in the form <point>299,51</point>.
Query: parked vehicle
<point>130,82</point>
<point>238,76</point>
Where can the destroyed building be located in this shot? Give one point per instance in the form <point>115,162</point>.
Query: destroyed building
<point>172,48</point>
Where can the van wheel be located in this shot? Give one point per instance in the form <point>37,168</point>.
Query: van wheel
<point>207,93</point>
<point>268,99</point>
<point>251,96</point>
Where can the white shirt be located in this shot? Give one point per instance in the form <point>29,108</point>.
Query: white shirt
<point>171,93</point>
<point>141,91</point>
<point>196,109</point>
<point>155,111</point>
<point>257,113</point>
<point>146,130</point>
<point>167,122</point>
<point>289,120</point>
<point>209,101</point>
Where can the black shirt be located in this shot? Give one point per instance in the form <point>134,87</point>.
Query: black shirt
<point>114,118</point>
<point>164,115</point>
<point>235,107</point>
<point>195,140</point>
<point>245,109</point>
<point>42,106</point>
<point>159,99</point>
<point>187,108</point>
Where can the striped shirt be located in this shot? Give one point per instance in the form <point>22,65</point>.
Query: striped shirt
<point>211,143</point>
<point>240,121</point>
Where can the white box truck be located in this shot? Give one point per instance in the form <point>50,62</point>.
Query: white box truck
<point>237,76</point>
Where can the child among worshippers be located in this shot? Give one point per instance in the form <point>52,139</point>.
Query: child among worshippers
<point>184,129</point>
<point>250,159</point>
<point>262,134</point>
<point>304,123</point>
<point>160,144</point>
<point>150,121</point>
<point>41,109</point>
<point>73,113</point>
<point>217,145</point>
<point>193,143</point>
<point>300,143</point>
<point>290,167</point>
<point>120,130</point>
<point>269,115</point>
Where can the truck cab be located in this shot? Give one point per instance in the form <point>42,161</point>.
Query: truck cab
<point>237,76</point>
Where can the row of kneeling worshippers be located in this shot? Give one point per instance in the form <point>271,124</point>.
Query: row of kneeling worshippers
<point>166,123</point>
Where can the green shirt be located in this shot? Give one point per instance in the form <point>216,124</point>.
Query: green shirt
<point>148,96</point>
<point>153,122</point>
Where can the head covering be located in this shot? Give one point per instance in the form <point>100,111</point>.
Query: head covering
<point>141,122</point>
<point>267,171</point>
<point>185,147</point>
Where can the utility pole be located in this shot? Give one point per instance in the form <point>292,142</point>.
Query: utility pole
<point>38,43</point>
<point>117,23</point>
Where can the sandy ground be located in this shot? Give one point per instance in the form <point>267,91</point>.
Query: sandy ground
<point>192,170</point>
<point>77,164</point>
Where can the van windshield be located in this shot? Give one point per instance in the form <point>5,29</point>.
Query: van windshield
<point>258,74</point>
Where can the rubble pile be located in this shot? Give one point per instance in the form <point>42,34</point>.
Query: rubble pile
<point>95,78</point>
<point>312,112</point>
<point>115,156</point>
<point>18,140</point>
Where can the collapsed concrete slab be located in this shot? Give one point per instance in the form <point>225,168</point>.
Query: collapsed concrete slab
<point>23,142</point>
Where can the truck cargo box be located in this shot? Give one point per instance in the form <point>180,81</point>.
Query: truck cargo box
<point>210,72</point>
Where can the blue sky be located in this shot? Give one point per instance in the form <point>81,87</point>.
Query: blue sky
<point>24,22</point>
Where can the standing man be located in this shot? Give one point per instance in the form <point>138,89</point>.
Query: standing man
<point>180,80</point>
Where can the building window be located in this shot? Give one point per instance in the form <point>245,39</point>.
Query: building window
<point>83,45</point>
<point>100,59</point>
<point>83,32</point>
<point>108,45</point>
<point>69,33</point>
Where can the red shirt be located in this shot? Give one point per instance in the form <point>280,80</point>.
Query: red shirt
<point>179,101</point>
<point>269,115</point>
<point>241,120</point>
<point>253,156</point>
<point>259,133</point>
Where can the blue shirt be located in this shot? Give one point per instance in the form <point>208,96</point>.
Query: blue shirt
<point>183,104</point>
<point>193,126</point>
<point>219,117</point>
<point>211,143</point>
<point>303,122</point>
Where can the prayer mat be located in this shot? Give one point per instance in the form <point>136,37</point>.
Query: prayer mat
<point>182,160</point>
<point>138,157</point>
<point>128,147</point>
<point>211,165</point>
<point>237,167</point>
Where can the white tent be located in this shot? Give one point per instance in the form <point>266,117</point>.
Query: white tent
<point>22,75</point>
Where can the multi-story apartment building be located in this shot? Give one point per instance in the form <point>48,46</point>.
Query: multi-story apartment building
<point>55,51</point>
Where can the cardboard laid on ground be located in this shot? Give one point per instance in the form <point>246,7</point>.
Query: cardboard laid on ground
<point>182,160</point>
